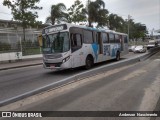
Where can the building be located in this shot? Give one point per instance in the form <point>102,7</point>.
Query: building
<point>11,33</point>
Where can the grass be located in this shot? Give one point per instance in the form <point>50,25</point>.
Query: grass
<point>31,51</point>
<point>137,43</point>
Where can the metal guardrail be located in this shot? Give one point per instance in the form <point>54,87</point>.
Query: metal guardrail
<point>11,40</point>
<point>80,76</point>
<point>26,47</point>
<point>151,52</point>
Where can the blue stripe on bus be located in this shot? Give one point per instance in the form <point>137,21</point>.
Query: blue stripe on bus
<point>95,50</point>
<point>113,52</point>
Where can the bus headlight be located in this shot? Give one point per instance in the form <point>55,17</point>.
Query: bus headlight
<point>66,59</point>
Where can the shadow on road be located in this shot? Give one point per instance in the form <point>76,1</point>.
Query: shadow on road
<point>80,69</point>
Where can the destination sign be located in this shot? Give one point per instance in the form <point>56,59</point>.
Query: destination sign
<point>56,28</point>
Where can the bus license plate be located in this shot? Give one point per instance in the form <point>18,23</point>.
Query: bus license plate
<point>52,66</point>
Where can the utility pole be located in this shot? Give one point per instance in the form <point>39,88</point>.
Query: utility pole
<point>88,2</point>
<point>129,17</point>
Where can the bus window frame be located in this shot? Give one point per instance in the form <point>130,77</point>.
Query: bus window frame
<point>112,41</point>
<point>92,40</point>
<point>75,30</point>
<point>75,48</point>
<point>125,39</point>
<point>107,41</point>
<point>117,39</point>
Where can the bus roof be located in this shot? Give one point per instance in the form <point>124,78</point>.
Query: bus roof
<point>68,25</point>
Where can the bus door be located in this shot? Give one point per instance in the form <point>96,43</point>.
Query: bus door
<point>99,40</point>
<point>106,45</point>
<point>112,45</point>
<point>125,43</point>
<point>76,45</point>
<point>122,42</point>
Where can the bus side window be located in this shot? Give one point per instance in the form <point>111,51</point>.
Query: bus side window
<point>111,38</point>
<point>105,38</point>
<point>76,41</point>
<point>125,39</point>
<point>117,38</point>
<point>88,37</point>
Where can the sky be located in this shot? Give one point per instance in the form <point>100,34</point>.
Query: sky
<point>141,11</point>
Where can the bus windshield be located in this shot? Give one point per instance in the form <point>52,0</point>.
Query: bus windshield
<point>56,43</point>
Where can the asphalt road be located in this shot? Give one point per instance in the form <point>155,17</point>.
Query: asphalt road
<point>15,82</point>
<point>130,88</point>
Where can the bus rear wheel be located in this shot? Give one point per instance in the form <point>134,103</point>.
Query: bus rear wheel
<point>118,56</point>
<point>89,62</point>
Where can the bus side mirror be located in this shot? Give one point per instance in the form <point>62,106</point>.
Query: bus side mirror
<point>40,40</point>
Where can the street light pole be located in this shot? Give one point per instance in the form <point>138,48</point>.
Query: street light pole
<point>128,24</point>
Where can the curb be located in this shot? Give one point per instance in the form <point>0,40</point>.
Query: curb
<point>78,77</point>
<point>151,52</point>
<point>23,59</point>
<point>21,66</point>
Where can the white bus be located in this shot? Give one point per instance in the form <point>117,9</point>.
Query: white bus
<point>67,46</point>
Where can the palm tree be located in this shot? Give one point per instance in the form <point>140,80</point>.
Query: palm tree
<point>102,17</point>
<point>57,13</point>
<point>77,12</point>
<point>96,12</point>
<point>116,22</point>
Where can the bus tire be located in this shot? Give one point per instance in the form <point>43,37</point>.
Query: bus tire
<point>89,62</point>
<point>118,56</point>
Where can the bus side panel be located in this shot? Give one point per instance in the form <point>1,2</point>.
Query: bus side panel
<point>126,51</point>
<point>76,58</point>
<point>88,49</point>
<point>106,51</point>
<point>114,49</point>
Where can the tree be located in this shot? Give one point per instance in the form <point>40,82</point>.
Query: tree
<point>139,31</point>
<point>136,30</point>
<point>57,13</point>
<point>76,12</point>
<point>116,23</point>
<point>22,11</point>
<point>102,17</point>
<point>4,47</point>
<point>97,13</point>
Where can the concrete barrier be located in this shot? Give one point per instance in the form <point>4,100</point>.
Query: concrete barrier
<point>13,56</point>
<point>151,52</point>
<point>32,57</point>
<point>10,56</point>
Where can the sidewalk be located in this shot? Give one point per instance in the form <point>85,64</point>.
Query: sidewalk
<point>21,63</point>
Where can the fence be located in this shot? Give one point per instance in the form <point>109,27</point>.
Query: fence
<point>11,40</point>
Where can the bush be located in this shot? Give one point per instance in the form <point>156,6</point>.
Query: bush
<point>29,47</point>
<point>4,47</point>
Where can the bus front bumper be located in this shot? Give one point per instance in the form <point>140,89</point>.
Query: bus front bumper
<point>56,66</point>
